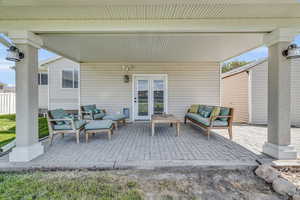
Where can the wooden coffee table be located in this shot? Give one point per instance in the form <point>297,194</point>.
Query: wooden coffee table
<point>164,119</point>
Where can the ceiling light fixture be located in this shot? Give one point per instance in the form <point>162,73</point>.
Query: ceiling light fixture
<point>14,54</point>
<point>292,52</point>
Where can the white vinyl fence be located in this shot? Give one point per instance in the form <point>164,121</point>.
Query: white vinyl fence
<point>7,103</point>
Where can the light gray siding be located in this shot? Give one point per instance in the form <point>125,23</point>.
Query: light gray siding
<point>295,92</point>
<point>43,92</point>
<point>259,93</point>
<point>43,96</point>
<point>61,97</point>
<point>188,83</point>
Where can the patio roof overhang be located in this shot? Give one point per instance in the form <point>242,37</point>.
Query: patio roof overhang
<point>150,30</point>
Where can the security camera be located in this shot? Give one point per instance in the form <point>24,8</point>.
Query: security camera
<point>292,52</point>
<point>14,54</point>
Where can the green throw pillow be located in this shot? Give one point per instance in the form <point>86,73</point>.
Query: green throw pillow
<point>205,111</point>
<point>96,111</point>
<point>205,114</point>
<point>201,108</point>
<point>224,112</point>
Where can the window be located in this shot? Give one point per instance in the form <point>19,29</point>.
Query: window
<point>70,78</point>
<point>43,78</point>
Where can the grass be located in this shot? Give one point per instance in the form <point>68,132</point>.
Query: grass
<point>66,186</point>
<point>8,128</point>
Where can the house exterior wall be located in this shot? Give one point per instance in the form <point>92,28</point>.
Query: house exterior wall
<point>188,83</point>
<point>295,92</point>
<point>235,95</point>
<point>66,98</point>
<point>43,96</point>
<point>43,92</point>
<point>259,93</point>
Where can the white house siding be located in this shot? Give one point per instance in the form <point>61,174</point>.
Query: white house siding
<point>188,83</point>
<point>259,93</point>
<point>295,92</point>
<point>61,97</point>
<point>43,96</point>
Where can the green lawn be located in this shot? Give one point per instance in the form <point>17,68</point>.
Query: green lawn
<point>66,186</point>
<point>8,128</point>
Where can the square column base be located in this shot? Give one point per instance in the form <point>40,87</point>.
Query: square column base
<point>26,153</point>
<point>280,152</point>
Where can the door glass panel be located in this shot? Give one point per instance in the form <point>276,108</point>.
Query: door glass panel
<point>143,94</point>
<point>158,97</point>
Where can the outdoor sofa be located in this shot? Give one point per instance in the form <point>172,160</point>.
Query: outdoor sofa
<point>210,117</point>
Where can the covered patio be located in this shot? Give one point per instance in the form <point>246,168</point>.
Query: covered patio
<point>132,147</point>
<point>185,42</point>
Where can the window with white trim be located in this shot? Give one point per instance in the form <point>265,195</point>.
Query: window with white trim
<point>43,78</point>
<point>69,78</point>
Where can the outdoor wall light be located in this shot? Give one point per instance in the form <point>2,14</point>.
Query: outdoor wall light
<point>292,52</point>
<point>14,54</point>
<point>126,78</point>
<point>126,68</point>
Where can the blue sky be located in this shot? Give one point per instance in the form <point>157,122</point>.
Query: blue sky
<point>8,76</point>
<point>258,53</point>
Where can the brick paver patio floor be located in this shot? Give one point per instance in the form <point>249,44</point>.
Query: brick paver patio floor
<point>253,137</point>
<point>132,146</point>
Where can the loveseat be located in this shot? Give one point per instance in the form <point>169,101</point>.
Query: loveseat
<point>210,117</point>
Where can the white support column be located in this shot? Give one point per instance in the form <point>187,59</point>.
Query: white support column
<point>279,96</point>
<point>28,146</point>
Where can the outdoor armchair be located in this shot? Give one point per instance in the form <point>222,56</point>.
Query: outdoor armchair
<point>91,112</point>
<point>60,122</point>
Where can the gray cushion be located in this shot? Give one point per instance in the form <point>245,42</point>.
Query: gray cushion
<point>192,115</point>
<point>198,118</point>
<point>61,114</point>
<point>205,121</point>
<point>99,115</point>
<point>115,117</point>
<point>220,123</point>
<point>58,113</point>
<point>99,124</point>
<point>78,124</point>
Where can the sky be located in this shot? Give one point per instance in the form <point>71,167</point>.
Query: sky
<point>7,75</point>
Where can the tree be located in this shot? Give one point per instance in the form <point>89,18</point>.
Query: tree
<point>232,65</point>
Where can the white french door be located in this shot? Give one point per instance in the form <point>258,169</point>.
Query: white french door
<point>149,96</point>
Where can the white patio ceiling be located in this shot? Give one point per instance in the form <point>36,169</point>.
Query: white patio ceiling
<point>162,47</point>
<point>149,30</point>
<point>147,9</point>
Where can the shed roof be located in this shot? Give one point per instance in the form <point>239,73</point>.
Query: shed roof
<point>243,68</point>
